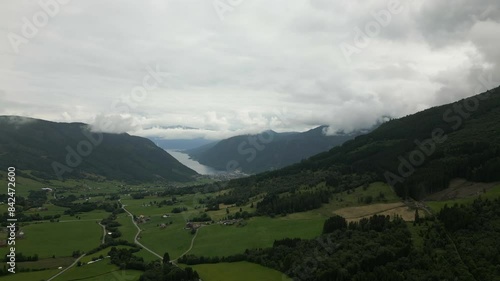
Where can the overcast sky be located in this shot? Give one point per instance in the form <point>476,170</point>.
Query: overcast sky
<point>228,67</point>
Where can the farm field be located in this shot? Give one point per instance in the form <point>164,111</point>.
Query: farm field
<point>173,239</point>
<point>59,239</point>
<point>260,232</point>
<point>47,263</point>
<point>238,271</point>
<point>99,271</point>
<point>388,209</point>
<point>28,276</point>
<point>379,192</point>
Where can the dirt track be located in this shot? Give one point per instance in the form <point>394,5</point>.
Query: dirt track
<point>390,209</point>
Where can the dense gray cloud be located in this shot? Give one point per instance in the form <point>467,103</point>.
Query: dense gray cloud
<point>144,65</point>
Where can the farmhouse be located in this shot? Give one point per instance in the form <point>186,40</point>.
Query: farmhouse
<point>142,219</point>
<point>193,225</point>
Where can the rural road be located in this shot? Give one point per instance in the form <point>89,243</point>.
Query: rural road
<point>62,271</point>
<point>190,247</point>
<point>139,232</point>
<point>104,232</point>
<point>192,242</point>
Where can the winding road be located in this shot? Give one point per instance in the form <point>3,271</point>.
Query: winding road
<point>64,270</point>
<point>190,247</point>
<point>139,232</point>
<point>104,232</point>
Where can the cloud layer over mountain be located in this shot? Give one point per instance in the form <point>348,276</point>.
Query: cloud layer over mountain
<point>232,67</point>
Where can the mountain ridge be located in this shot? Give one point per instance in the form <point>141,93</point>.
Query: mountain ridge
<point>71,150</point>
<point>269,150</point>
<point>454,143</point>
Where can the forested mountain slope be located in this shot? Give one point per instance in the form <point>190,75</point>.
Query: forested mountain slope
<point>267,151</point>
<point>417,154</point>
<point>69,150</point>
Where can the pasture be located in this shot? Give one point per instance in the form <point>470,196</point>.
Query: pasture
<point>99,271</point>
<point>490,193</point>
<point>28,276</point>
<point>59,239</point>
<point>260,232</point>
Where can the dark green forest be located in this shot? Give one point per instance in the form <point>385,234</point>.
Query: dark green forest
<point>267,151</point>
<point>418,154</point>
<point>70,150</point>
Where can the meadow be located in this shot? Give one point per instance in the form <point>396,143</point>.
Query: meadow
<point>491,193</point>
<point>259,232</point>
<point>99,271</point>
<point>59,239</point>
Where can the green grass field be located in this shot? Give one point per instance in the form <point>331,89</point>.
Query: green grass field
<point>30,276</point>
<point>47,263</point>
<point>99,271</point>
<point>436,206</point>
<point>59,239</point>
<point>173,239</point>
<point>238,271</point>
<point>260,232</point>
<point>51,210</point>
<point>127,228</point>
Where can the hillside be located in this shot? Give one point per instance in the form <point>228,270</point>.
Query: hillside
<point>266,151</point>
<point>45,147</point>
<point>418,154</point>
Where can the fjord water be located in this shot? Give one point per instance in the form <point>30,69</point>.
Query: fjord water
<point>199,168</point>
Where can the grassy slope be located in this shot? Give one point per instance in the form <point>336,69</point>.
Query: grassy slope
<point>436,206</point>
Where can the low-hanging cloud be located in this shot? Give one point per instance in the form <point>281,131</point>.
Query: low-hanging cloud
<point>265,66</point>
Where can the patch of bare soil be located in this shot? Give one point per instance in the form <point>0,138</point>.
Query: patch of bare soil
<point>390,209</point>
